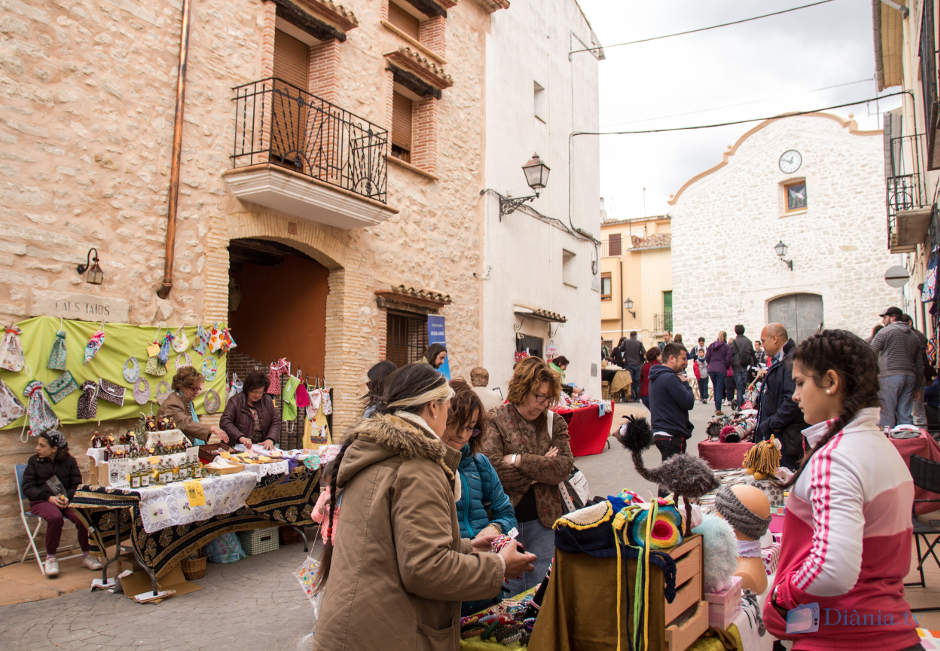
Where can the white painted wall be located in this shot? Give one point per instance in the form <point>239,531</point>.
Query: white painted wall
<point>529,43</point>
<point>725,226</point>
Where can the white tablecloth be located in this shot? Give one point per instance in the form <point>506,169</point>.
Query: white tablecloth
<point>168,505</point>
<point>265,469</point>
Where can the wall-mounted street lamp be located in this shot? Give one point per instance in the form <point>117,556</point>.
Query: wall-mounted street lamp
<point>628,306</point>
<point>781,250</point>
<point>91,269</point>
<point>536,175</point>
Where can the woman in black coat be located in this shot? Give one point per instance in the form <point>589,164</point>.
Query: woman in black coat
<point>250,416</point>
<point>50,480</point>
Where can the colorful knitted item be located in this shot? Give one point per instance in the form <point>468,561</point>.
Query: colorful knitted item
<point>93,346</point>
<point>58,354</point>
<point>11,350</point>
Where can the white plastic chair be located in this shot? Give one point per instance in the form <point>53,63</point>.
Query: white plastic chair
<point>25,515</point>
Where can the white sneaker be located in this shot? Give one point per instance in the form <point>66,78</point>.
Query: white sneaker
<point>91,563</point>
<point>52,567</point>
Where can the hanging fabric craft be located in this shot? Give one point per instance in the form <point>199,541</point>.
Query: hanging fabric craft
<point>327,402</point>
<point>302,396</point>
<point>88,401</point>
<point>289,399</point>
<point>235,387</point>
<point>163,391</point>
<point>142,391</point>
<point>180,341</point>
<point>61,387</point>
<point>10,406</point>
<point>275,371</point>
<point>212,402</point>
<point>11,350</point>
<point>183,360</point>
<point>227,342</point>
<point>58,354</point>
<point>164,354</point>
<point>41,418</point>
<point>154,367</point>
<point>131,370</point>
<point>93,346</point>
<point>215,339</point>
<point>210,368</point>
<point>929,291</point>
<point>111,392</point>
<point>201,342</point>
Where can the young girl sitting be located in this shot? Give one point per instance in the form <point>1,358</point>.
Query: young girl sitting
<point>847,530</point>
<point>50,480</point>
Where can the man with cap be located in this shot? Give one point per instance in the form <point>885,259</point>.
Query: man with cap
<point>901,364</point>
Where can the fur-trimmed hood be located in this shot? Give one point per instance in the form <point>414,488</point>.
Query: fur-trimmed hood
<point>385,436</point>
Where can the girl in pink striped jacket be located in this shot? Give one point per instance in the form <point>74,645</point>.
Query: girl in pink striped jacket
<point>847,531</point>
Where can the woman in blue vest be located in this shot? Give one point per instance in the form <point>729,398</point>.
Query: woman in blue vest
<point>483,508</point>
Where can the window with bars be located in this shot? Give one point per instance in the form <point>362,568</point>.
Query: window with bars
<point>406,337</point>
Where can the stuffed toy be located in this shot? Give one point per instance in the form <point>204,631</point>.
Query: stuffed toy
<point>763,459</point>
<point>720,548</point>
<point>686,477</point>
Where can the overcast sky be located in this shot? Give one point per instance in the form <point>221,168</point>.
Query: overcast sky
<point>755,69</point>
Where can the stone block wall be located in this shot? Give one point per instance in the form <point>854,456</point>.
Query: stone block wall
<point>727,220</point>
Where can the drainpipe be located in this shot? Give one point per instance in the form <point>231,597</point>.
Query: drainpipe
<point>173,199</point>
<point>620,262</point>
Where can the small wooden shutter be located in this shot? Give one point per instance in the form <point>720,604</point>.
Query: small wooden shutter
<point>613,244</point>
<point>290,59</point>
<point>401,122</point>
<point>403,20</point>
<point>289,115</point>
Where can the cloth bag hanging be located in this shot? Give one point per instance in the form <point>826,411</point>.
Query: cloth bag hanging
<point>93,346</point>
<point>201,342</point>
<point>11,350</point>
<point>113,393</point>
<point>61,387</point>
<point>235,387</point>
<point>10,406</point>
<point>180,341</point>
<point>154,367</point>
<point>40,415</point>
<point>88,401</point>
<point>164,354</point>
<point>58,354</point>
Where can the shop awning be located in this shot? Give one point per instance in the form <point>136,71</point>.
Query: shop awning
<point>413,299</point>
<point>539,313</point>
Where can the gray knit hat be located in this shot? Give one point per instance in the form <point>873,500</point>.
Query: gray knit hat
<point>739,516</point>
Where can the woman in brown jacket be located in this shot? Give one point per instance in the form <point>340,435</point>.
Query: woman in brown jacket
<point>250,416</point>
<point>528,446</point>
<point>187,384</point>
<point>399,568</point>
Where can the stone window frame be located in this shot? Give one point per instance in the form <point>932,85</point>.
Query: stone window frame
<point>785,210</point>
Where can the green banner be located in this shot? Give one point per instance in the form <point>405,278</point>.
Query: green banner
<point>121,341</point>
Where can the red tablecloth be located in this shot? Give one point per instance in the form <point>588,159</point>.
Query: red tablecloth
<point>922,446</point>
<point>588,430</point>
<point>721,456</point>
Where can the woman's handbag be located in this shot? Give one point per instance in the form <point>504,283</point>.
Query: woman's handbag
<point>574,491</point>
<point>61,387</point>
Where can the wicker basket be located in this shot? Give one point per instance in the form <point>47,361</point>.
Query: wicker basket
<point>259,541</point>
<point>194,568</point>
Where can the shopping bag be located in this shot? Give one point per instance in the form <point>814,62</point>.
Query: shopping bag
<point>575,492</point>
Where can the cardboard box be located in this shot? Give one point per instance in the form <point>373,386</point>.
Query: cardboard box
<point>724,606</point>
<point>139,582</point>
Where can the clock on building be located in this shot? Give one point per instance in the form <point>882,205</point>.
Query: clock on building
<point>790,161</point>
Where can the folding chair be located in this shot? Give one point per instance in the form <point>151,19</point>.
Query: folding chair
<point>926,475</point>
<point>25,515</point>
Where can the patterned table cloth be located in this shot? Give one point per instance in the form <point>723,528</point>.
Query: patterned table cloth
<point>273,500</point>
<point>168,504</point>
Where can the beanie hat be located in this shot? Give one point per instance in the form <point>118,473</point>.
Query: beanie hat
<point>739,516</point>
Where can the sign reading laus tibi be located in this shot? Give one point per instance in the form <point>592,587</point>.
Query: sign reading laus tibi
<point>72,305</point>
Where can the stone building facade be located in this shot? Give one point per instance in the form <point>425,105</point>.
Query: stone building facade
<point>813,182</point>
<point>86,142</point>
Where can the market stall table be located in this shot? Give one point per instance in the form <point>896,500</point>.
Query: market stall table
<point>587,428</point>
<point>923,446</point>
<point>723,455</point>
<point>113,514</point>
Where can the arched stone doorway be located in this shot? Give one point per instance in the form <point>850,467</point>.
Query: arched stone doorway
<point>801,314</point>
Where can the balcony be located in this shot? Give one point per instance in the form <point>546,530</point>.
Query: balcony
<point>303,156</point>
<point>906,199</point>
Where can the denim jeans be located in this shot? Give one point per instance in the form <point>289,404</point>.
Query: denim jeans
<point>703,389</point>
<point>635,384</point>
<point>538,540</point>
<point>897,400</point>
<point>718,386</point>
<point>740,383</point>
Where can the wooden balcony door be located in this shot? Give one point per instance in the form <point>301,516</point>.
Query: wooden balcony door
<point>289,108</point>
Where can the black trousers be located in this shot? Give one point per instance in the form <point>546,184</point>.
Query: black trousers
<point>668,448</point>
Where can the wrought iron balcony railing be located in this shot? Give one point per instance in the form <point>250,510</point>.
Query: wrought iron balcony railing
<point>905,182</point>
<point>279,123</point>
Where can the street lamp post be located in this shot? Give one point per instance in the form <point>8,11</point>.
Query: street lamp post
<point>536,176</point>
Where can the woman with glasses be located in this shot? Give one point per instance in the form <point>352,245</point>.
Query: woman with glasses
<point>528,446</point>
<point>483,509</point>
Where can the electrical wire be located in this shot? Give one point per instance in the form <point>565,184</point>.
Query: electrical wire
<point>733,122</point>
<point>702,29</point>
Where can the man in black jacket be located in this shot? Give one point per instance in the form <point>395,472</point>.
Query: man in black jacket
<point>671,398</point>
<point>777,414</point>
<point>743,358</point>
<point>632,357</point>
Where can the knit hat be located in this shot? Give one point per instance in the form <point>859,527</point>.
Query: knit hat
<point>739,516</point>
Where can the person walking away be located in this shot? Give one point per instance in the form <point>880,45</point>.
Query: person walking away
<point>670,400</point>
<point>777,414</point>
<point>633,357</point>
<point>399,568</point>
<point>743,358</point>
<point>901,362</point>
<point>918,413</point>
<point>480,380</point>
<point>718,357</point>
<point>700,370</point>
<point>652,359</point>
<point>847,530</point>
